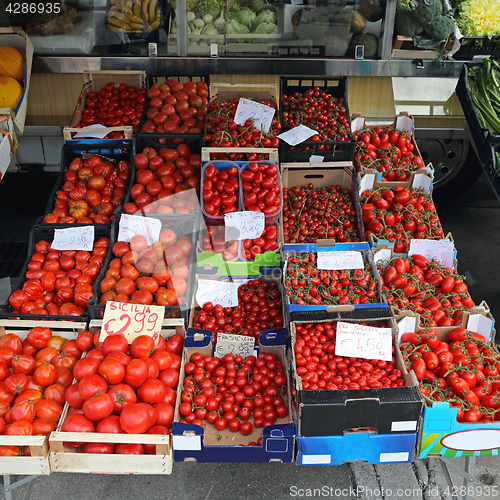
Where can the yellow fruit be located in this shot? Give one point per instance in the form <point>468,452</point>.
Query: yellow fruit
<point>10,92</point>
<point>12,63</point>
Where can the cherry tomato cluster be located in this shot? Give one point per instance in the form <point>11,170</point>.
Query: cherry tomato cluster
<point>400,215</point>
<point>311,214</point>
<point>114,106</point>
<point>59,282</point>
<point>387,150</point>
<point>463,371</point>
<point>261,188</point>
<point>437,294</point>
<point>93,189</point>
<point>320,369</point>
<point>234,393</point>
<point>306,284</point>
<point>122,388</point>
<point>213,240</point>
<point>34,375</point>
<point>220,190</point>
<point>267,242</point>
<point>259,308</point>
<point>223,132</point>
<point>167,181</point>
<point>174,107</point>
<point>148,274</point>
<point>320,111</point>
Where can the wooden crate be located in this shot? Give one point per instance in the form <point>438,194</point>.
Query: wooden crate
<point>38,463</point>
<point>272,152</point>
<point>64,459</point>
<point>94,82</point>
<point>399,52</point>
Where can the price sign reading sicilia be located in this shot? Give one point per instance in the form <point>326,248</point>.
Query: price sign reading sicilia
<point>132,320</point>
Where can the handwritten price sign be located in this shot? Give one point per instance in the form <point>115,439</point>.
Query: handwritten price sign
<point>260,114</point>
<point>217,292</point>
<point>74,238</point>
<point>359,341</point>
<point>439,250</point>
<point>131,225</point>
<point>340,260</point>
<point>297,135</point>
<point>243,225</point>
<point>228,343</point>
<point>132,320</point>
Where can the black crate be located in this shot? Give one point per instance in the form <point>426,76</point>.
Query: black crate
<point>181,226</point>
<point>483,138</point>
<point>492,166</point>
<point>115,151</point>
<point>141,141</point>
<point>152,79</point>
<point>471,46</point>
<point>46,232</point>
<point>337,150</point>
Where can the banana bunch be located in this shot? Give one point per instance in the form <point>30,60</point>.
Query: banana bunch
<point>133,16</point>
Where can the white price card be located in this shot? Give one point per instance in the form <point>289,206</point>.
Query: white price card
<point>131,225</point>
<point>85,132</point>
<point>357,124</point>
<point>360,341</point>
<point>132,320</point>
<point>217,292</point>
<point>239,345</point>
<point>74,238</point>
<point>440,250</point>
<point>243,225</point>
<point>316,159</point>
<point>340,260</point>
<point>297,135</point>
<point>260,114</point>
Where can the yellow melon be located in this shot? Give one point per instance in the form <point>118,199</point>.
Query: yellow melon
<point>10,92</point>
<point>12,63</point>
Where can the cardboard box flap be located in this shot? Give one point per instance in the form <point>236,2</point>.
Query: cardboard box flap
<point>273,337</point>
<point>402,121</point>
<point>198,338</point>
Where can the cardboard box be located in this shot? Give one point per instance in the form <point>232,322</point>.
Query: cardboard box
<point>391,410</point>
<point>441,434</point>
<point>8,143</point>
<point>63,459</point>
<point>94,82</point>
<point>323,175</point>
<point>205,444</point>
<point>17,38</point>
<point>297,312</point>
<point>38,462</point>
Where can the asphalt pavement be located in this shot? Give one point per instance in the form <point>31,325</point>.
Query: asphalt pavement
<point>474,221</point>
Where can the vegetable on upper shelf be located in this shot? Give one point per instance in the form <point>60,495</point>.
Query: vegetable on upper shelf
<point>477,17</point>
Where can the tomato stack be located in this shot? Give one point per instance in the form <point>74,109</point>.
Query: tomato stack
<point>167,179</point>
<point>90,190</point>
<point>122,388</point>
<point>34,375</point>
<point>58,282</point>
<point>457,367</point>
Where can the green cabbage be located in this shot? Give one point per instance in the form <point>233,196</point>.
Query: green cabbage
<point>235,28</point>
<point>246,16</point>
<point>266,16</point>
<point>267,28</point>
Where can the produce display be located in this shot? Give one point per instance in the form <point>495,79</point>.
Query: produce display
<point>122,388</point>
<point>148,274</point>
<point>462,369</point>
<point>59,282</point>
<point>223,132</point>
<point>93,190</point>
<point>213,240</point>
<point>477,17</point>
<point>220,191</point>
<point>399,215</point>
<point>259,308</point>
<point>167,181</point>
<point>311,214</point>
<point>439,295</point>
<point>34,376</point>
<point>114,105</point>
<point>387,150</point>
<point>320,369</point>
<point>174,107</point>
<point>484,87</point>
<point>306,284</point>
<point>267,242</point>
<point>139,17</point>
<point>12,69</point>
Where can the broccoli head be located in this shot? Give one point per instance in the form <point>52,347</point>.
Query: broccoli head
<point>406,24</point>
<point>426,11</point>
<point>441,28</point>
